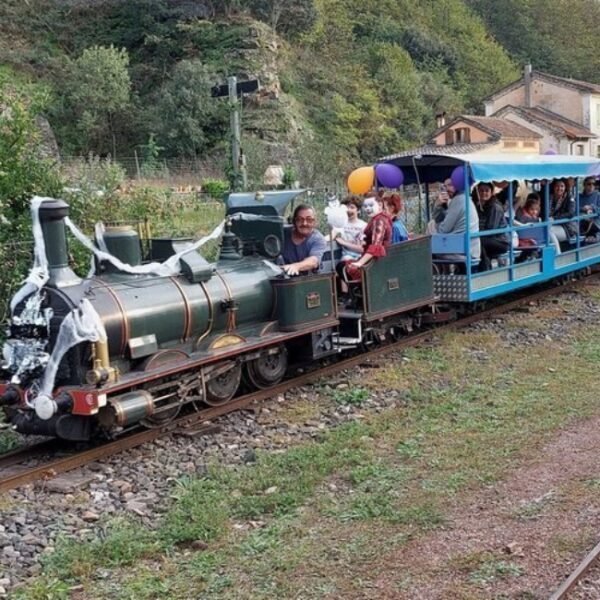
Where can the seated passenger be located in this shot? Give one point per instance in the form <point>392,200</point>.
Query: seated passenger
<point>350,238</point>
<point>440,207</point>
<point>530,211</point>
<point>491,216</point>
<point>303,245</point>
<point>562,206</point>
<point>589,202</point>
<point>392,204</point>
<point>454,221</point>
<point>377,236</point>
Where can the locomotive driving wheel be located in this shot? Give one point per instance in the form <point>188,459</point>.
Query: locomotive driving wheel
<point>267,370</point>
<point>222,388</point>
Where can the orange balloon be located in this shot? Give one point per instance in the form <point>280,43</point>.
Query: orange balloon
<point>361,180</point>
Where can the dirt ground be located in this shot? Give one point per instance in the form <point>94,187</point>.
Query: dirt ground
<point>541,522</point>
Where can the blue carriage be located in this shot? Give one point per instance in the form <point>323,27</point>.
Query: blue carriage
<point>468,283</point>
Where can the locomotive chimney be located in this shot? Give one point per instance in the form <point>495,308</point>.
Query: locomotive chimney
<point>52,215</point>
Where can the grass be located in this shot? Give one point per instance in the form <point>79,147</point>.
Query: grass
<point>297,523</point>
<point>352,396</point>
<point>9,440</point>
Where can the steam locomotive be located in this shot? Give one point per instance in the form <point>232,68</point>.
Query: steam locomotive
<point>190,337</point>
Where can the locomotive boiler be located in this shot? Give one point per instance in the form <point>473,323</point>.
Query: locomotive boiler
<point>166,339</point>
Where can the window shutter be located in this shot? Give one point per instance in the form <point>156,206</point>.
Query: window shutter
<point>449,137</point>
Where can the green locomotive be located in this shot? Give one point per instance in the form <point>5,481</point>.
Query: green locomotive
<point>182,338</point>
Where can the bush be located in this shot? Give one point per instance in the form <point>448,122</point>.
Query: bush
<point>215,188</point>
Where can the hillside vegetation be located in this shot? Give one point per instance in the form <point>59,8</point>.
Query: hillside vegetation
<point>344,81</point>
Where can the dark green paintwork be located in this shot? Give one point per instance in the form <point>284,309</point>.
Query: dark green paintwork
<point>124,243</point>
<point>155,305</point>
<point>402,278</point>
<point>302,301</point>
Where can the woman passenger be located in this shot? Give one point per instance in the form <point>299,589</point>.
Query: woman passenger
<point>562,206</point>
<point>491,216</point>
<point>377,237</point>
<point>392,204</point>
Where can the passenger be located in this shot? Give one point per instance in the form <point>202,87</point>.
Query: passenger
<point>562,206</point>
<point>530,213</point>
<point>303,245</point>
<point>392,204</point>
<point>504,194</point>
<point>350,238</point>
<point>440,208</point>
<point>454,221</point>
<point>589,202</point>
<point>378,236</point>
<point>491,216</point>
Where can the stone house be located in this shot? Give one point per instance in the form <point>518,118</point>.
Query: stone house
<point>564,112</point>
<point>471,133</point>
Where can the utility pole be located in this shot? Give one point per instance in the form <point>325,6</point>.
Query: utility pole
<point>239,169</point>
<point>234,90</point>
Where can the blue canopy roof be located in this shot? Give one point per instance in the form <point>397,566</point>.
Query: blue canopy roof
<point>495,167</point>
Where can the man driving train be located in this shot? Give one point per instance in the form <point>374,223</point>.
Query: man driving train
<point>303,244</point>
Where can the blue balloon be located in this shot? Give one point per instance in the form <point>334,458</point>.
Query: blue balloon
<point>389,176</point>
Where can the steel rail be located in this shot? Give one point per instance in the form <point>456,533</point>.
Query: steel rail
<point>582,568</point>
<point>64,464</point>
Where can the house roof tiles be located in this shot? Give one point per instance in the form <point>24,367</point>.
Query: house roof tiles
<point>549,120</point>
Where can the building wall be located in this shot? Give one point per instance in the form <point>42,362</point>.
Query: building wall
<point>557,98</point>
<point>514,97</point>
<point>594,110</point>
<point>524,145</point>
<point>549,140</point>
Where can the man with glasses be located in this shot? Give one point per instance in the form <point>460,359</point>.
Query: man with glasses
<point>589,201</point>
<point>303,245</point>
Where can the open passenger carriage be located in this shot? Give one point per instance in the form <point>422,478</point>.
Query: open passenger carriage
<point>470,284</point>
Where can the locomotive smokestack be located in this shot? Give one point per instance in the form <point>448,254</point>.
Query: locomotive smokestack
<point>52,220</point>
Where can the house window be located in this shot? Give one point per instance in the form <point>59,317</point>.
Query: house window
<point>510,144</point>
<point>528,144</point>
<point>579,149</point>
<point>462,135</point>
<point>598,115</point>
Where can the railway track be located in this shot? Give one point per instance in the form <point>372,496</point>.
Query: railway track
<point>577,575</point>
<point>11,477</point>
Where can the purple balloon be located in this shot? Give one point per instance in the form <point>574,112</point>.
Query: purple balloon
<point>389,176</point>
<point>458,179</point>
<point>550,152</point>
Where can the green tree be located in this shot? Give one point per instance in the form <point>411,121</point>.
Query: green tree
<point>187,120</point>
<point>23,170</point>
<point>99,92</point>
<point>23,173</point>
<point>289,16</point>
